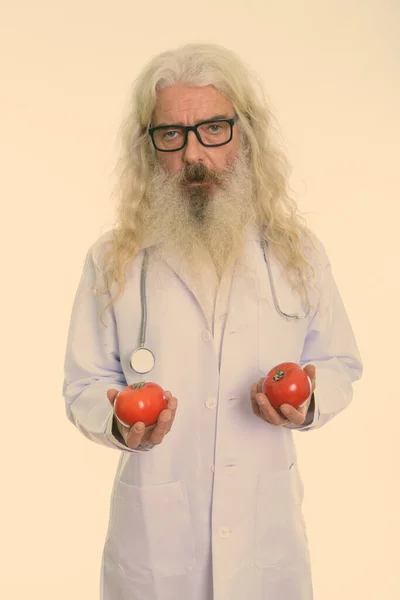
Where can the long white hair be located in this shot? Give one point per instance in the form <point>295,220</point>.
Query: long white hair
<point>280,222</point>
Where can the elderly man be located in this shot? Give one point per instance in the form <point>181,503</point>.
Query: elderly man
<point>210,260</point>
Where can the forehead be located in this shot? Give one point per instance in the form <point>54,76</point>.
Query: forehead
<point>189,104</point>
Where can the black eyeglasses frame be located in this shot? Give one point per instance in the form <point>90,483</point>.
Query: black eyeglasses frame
<point>194,128</point>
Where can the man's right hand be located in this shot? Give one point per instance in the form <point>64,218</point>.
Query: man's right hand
<point>138,433</point>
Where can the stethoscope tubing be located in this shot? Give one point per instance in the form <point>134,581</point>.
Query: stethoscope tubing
<point>273,291</point>
<point>143,299</point>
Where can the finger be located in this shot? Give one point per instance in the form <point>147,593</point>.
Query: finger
<point>260,385</point>
<point>256,406</point>
<point>172,405</point>
<point>253,391</point>
<point>256,388</point>
<point>135,435</point>
<point>172,402</point>
<point>262,407</point>
<point>161,428</point>
<point>268,412</point>
<point>111,395</point>
<point>295,416</point>
<point>254,403</point>
<point>310,370</point>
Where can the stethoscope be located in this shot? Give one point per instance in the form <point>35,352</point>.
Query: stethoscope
<point>142,359</point>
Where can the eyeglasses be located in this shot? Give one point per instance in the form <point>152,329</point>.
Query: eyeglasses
<point>171,138</point>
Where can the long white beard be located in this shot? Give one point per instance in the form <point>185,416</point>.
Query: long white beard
<point>198,223</point>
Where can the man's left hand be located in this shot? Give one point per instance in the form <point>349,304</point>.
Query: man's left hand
<point>287,415</point>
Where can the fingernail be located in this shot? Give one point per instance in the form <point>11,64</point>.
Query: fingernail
<point>139,428</point>
<point>259,400</point>
<point>167,417</point>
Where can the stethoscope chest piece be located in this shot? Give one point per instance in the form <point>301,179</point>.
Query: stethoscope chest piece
<point>142,360</point>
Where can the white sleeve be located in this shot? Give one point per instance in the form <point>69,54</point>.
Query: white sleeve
<point>92,364</point>
<point>331,347</point>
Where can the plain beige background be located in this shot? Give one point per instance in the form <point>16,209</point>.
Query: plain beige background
<point>331,70</point>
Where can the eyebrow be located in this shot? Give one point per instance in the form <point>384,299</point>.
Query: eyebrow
<point>212,118</point>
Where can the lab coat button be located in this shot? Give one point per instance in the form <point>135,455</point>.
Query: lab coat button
<point>213,468</point>
<point>211,403</point>
<point>206,335</point>
<point>224,532</point>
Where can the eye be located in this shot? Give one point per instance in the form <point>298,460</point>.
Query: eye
<point>214,128</point>
<point>170,135</point>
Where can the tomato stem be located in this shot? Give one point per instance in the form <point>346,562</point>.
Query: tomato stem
<point>278,375</point>
<point>136,386</point>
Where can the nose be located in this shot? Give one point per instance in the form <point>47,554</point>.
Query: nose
<point>193,151</point>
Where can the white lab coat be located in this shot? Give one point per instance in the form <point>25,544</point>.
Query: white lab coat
<point>214,512</point>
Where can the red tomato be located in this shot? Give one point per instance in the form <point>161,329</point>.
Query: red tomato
<point>287,383</point>
<point>140,402</point>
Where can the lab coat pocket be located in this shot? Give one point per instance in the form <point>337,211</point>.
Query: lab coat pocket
<point>280,538</point>
<point>154,530</point>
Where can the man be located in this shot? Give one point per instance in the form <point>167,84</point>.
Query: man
<point>211,255</point>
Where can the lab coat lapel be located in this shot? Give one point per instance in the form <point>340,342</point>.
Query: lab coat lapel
<point>203,291</point>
